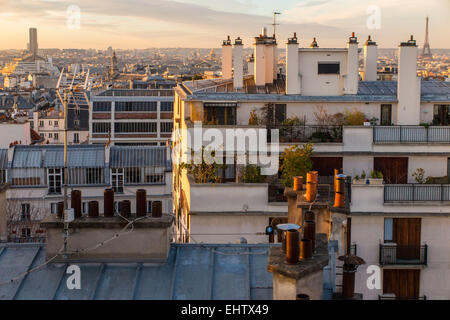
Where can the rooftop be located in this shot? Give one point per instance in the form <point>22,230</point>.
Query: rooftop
<point>368,91</point>
<point>193,271</point>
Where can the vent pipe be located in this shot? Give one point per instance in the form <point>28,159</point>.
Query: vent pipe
<point>93,209</point>
<point>125,208</point>
<point>339,191</point>
<point>305,249</point>
<point>292,246</point>
<point>298,183</point>
<point>141,202</point>
<point>309,232</point>
<point>108,203</point>
<point>156,209</point>
<point>311,185</point>
<point>75,203</point>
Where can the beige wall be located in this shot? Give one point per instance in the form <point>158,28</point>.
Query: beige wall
<point>285,288</point>
<point>368,233</point>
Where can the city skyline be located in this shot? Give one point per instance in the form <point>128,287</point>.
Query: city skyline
<point>162,23</point>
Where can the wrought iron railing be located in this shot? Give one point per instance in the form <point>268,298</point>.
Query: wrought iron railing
<point>416,192</point>
<point>394,134</point>
<point>393,254</point>
<point>304,133</point>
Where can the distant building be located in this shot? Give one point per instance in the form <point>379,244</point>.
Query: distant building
<point>131,116</point>
<point>33,44</point>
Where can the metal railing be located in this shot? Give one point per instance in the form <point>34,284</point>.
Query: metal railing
<point>416,192</point>
<point>422,134</point>
<point>27,239</point>
<point>382,297</point>
<point>304,133</point>
<point>393,254</point>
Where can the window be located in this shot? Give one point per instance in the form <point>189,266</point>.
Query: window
<point>50,135</point>
<point>85,207</point>
<point>54,180</point>
<point>76,138</point>
<point>132,175</point>
<point>56,136</point>
<point>388,229</point>
<point>126,106</point>
<point>166,126</point>
<point>219,115</point>
<point>166,106</point>
<point>117,180</point>
<point>76,123</point>
<point>280,113</point>
<point>42,135</point>
<point>26,232</point>
<point>55,123</point>
<point>25,212</point>
<point>49,123</point>
<point>53,207</point>
<point>328,68</point>
<point>41,123</point>
<point>131,127</point>
<point>441,115</point>
<point>101,127</point>
<point>101,106</point>
<point>386,115</point>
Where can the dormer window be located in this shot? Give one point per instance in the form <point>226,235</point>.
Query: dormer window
<point>328,68</point>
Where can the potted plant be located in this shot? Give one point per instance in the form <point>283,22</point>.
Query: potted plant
<point>376,177</point>
<point>363,177</point>
<point>358,180</point>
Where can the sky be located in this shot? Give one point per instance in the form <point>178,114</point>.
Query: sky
<point>127,24</point>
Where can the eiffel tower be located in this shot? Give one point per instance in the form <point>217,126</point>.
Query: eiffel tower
<point>426,51</point>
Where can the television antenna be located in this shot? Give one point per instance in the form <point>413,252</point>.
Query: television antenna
<point>275,24</point>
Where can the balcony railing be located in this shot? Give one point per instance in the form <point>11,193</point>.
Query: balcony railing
<point>303,133</point>
<point>393,254</point>
<point>385,297</point>
<point>397,134</point>
<point>416,192</point>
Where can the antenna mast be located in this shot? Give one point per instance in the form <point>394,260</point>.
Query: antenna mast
<point>275,24</point>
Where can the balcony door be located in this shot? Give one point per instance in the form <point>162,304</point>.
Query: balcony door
<point>404,283</point>
<point>394,169</point>
<point>386,114</point>
<point>405,232</point>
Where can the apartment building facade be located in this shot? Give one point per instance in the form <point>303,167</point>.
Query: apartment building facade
<point>405,129</point>
<point>35,176</point>
<point>131,116</point>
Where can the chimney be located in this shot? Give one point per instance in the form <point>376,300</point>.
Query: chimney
<point>108,203</point>
<point>292,246</point>
<point>275,58</point>
<point>238,64</point>
<point>312,178</point>
<point>370,60</point>
<point>104,238</point>
<point>339,191</point>
<point>227,59</point>
<point>141,202</point>
<point>408,85</point>
<point>352,77</point>
<point>251,65</point>
<point>269,61</point>
<point>260,61</point>
<point>293,85</point>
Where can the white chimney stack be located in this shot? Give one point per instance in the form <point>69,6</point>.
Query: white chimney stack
<point>352,77</point>
<point>227,59</point>
<point>408,85</point>
<point>238,64</point>
<point>269,61</point>
<point>260,61</point>
<point>370,60</point>
<point>293,85</point>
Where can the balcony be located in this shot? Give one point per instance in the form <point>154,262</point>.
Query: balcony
<point>304,133</point>
<point>393,254</point>
<point>416,192</point>
<point>411,134</point>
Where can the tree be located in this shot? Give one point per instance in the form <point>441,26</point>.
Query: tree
<point>296,162</point>
<point>203,168</point>
<point>354,118</point>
